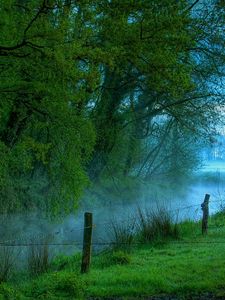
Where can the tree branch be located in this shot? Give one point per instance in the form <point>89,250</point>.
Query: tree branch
<point>163,107</point>
<point>192,5</point>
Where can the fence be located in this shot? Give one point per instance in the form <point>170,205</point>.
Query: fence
<point>44,241</point>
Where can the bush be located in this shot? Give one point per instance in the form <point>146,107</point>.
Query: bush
<point>156,225</point>
<point>7,262</point>
<point>9,293</point>
<point>56,286</point>
<point>122,234</point>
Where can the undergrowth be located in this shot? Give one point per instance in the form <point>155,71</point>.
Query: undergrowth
<point>7,262</point>
<point>56,285</point>
<point>38,257</point>
<point>156,226</point>
<point>173,268</point>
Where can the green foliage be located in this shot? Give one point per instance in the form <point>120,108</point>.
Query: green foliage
<point>111,257</point>
<point>88,88</point>
<point>157,226</point>
<point>46,137</point>
<point>175,269</point>
<point>7,262</point>
<point>8,292</point>
<point>188,228</point>
<point>38,257</point>
<point>121,258</point>
<point>157,81</point>
<point>62,262</point>
<point>56,286</point>
<point>122,234</point>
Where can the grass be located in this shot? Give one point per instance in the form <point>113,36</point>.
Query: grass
<point>156,225</point>
<point>56,285</point>
<point>176,269</point>
<point>7,262</point>
<point>38,257</point>
<point>122,235</point>
<point>192,265</point>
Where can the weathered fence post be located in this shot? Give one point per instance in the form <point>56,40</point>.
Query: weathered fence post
<point>86,256</point>
<point>205,209</point>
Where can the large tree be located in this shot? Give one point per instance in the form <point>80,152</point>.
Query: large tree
<point>172,65</point>
<point>96,86</point>
<point>46,138</point>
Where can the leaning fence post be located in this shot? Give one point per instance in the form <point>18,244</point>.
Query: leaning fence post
<point>205,209</point>
<point>86,256</point>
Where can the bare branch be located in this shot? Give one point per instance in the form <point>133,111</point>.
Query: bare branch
<point>192,5</point>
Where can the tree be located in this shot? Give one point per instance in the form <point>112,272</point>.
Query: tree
<point>172,72</point>
<point>46,139</point>
<point>93,87</point>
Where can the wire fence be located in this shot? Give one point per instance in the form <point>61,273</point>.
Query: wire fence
<point>49,238</point>
<point>37,250</point>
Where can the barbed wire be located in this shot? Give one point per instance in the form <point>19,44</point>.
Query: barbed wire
<point>50,235</point>
<point>108,243</point>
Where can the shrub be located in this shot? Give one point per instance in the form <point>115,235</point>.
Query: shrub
<point>156,225</point>
<point>56,286</point>
<point>9,293</point>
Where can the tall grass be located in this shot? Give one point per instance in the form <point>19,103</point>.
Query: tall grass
<point>122,234</point>
<point>7,262</point>
<point>38,256</point>
<point>157,225</point>
<point>147,226</point>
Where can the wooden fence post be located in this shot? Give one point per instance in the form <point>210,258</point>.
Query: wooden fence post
<point>87,239</point>
<point>205,209</point>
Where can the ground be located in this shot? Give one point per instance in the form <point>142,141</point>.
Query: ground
<point>190,267</point>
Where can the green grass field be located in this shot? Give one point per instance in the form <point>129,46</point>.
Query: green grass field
<point>190,265</point>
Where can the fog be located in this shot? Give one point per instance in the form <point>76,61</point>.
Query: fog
<point>66,235</point>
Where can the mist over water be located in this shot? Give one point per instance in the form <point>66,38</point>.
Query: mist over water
<point>183,203</point>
